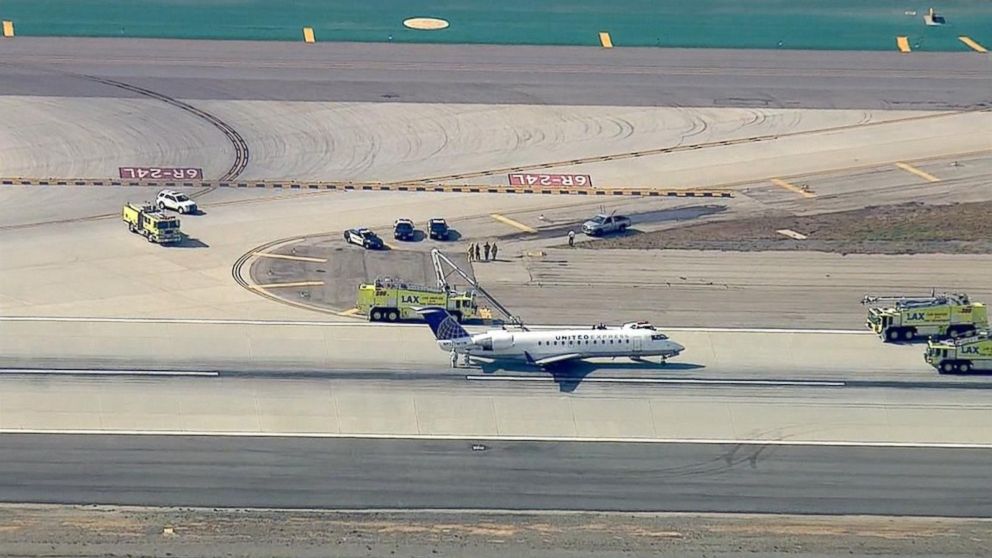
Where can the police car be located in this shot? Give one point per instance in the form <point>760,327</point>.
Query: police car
<point>403,229</point>
<point>176,201</point>
<point>364,238</point>
<point>437,228</point>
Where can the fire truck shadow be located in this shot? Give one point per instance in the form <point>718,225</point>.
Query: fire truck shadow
<point>190,242</point>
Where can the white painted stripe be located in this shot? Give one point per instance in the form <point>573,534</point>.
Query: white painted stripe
<point>222,321</point>
<point>504,438</point>
<point>90,372</point>
<point>700,381</point>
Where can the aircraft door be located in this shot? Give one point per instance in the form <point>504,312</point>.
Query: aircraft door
<point>636,344</point>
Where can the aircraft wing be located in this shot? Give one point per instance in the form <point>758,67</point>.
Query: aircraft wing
<point>554,359</point>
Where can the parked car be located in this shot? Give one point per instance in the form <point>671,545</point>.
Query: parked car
<point>403,229</point>
<point>605,224</point>
<point>176,201</point>
<point>364,238</point>
<point>437,228</point>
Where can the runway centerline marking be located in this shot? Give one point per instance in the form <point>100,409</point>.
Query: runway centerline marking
<point>515,224</point>
<point>922,174</point>
<point>501,438</point>
<point>972,44</point>
<point>296,284</point>
<point>679,381</point>
<point>95,372</point>
<point>792,188</point>
<point>288,257</point>
<point>903,44</point>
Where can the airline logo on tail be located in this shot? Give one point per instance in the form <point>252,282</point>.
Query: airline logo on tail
<point>443,324</point>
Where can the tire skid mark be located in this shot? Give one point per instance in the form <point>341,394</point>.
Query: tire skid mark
<point>241,151</point>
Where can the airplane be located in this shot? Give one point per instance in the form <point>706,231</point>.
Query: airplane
<point>635,340</point>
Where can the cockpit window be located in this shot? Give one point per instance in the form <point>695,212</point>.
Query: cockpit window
<point>659,337</point>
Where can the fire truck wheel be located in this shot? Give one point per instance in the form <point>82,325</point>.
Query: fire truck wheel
<point>907,334</point>
<point>946,367</point>
<point>376,315</point>
<point>964,367</point>
<point>393,316</point>
<point>892,334</point>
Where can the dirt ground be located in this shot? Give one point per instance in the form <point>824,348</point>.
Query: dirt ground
<point>911,228</point>
<point>36,531</point>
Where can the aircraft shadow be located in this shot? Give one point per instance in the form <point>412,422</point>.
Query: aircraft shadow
<point>569,375</point>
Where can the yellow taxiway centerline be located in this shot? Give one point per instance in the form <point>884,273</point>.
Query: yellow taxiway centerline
<point>792,188</point>
<point>924,175</point>
<point>287,257</point>
<point>512,223</point>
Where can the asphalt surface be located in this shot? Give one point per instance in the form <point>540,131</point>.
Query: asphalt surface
<point>496,74</point>
<point>354,473</point>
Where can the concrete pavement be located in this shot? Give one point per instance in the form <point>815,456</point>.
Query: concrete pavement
<point>607,405</point>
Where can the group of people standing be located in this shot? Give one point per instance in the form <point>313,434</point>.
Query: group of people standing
<point>482,252</point>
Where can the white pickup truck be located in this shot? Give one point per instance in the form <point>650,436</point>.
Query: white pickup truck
<point>605,224</point>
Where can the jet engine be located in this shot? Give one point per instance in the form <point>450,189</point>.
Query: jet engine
<point>495,341</point>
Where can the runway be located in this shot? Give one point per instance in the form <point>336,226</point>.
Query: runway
<point>353,72</point>
<point>364,474</point>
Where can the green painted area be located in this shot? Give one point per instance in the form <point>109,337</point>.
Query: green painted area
<point>793,24</point>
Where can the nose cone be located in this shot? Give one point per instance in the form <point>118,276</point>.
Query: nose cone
<point>677,348</point>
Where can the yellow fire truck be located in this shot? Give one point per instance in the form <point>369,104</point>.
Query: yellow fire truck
<point>938,315</point>
<point>151,222</point>
<point>389,301</point>
<point>960,355</point>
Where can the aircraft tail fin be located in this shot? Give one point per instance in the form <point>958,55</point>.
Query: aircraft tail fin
<point>443,324</point>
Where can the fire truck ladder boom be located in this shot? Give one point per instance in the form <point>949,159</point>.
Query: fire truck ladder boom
<point>911,302</point>
<point>441,261</point>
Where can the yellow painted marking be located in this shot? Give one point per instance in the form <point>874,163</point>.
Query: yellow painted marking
<point>924,175</point>
<point>903,44</point>
<point>308,34</point>
<point>793,188</point>
<point>512,223</point>
<point>286,257</point>
<point>8,28</point>
<point>973,44</point>
<point>349,312</point>
<point>296,284</point>
<point>605,40</point>
<point>426,23</point>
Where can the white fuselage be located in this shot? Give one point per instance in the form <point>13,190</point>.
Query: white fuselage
<point>582,343</point>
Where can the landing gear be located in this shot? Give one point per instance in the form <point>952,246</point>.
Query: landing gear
<point>466,360</point>
<point>454,359</point>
